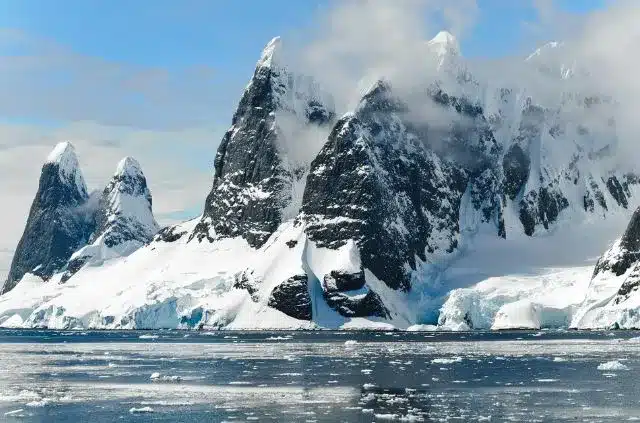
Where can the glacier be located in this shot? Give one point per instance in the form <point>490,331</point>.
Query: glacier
<point>462,203</point>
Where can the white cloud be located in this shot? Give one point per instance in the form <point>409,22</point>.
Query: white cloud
<point>607,42</point>
<point>357,42</point>
<point>41,79</point>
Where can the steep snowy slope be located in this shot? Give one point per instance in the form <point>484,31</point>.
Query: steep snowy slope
<point>193,284</point>
<point>612,299</point>
<point>524,282</point>
<point>124,219</point>
<point>59,221</point>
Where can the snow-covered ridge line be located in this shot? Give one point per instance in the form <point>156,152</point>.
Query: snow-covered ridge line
<point>67,228</point>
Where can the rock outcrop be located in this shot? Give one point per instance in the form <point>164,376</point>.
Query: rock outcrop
<point>60,219</point>
<point>255,176</point>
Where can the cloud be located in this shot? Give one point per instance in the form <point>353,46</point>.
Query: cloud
<point>357,42</point>
<point>603,44</point>
<point>42,79</point>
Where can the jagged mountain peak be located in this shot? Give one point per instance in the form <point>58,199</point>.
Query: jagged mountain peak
<point>64,157</point>
<point>128,166</point>
<point>271,53</point>
<point>62,150</point>
<point>59,221</point>
<point>624,253</point>
<point>124,219</point>
<point>379,86</point>
<point>127,193</point>
<point>261,162</point>
<point>444,43</point>
<point>380,98</point>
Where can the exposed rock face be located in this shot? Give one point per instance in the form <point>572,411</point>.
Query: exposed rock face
<point>618,266</point>
<point>541,207</point>
<point>375,182</point>
<point>60,220</point>
<point>629,286</point>
<point>515,165</point>
<point>254,179</point>
<point>170,234</point>
<point>624,253</point>
<point>348,294</point>
<point>292,298</point>
<point>245,280</point>
<point>124,219</point>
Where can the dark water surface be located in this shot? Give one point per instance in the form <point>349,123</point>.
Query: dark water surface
<point>174,376</point>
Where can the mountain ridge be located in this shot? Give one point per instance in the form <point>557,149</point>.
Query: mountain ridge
<point>361,229</point>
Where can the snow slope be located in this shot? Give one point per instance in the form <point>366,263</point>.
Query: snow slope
<point>186,285</point>
<point>613,300</point>
<point>523,282</point>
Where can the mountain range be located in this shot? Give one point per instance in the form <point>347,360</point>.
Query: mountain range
<point>442,205</point>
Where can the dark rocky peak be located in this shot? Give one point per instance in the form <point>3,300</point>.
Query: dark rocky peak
<point>61,180</point>
<point>623,258</point>
<point>375,182</point>
<point>129,179</point>
<point>59,220</point>
<point>254,178</point>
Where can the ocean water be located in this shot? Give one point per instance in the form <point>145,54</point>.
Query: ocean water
<point>175,376</point>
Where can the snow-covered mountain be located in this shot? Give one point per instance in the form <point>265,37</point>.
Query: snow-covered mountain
<point>60,220</point>
<point>124,219</point>
<point>68,229</point>
<point>460,201</point>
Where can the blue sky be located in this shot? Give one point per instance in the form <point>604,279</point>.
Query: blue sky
<point>196,32</point>
<point>226,36</point>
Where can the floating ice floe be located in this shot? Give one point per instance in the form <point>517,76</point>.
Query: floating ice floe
<point>141,410</point>
<point>446,360</point>
<point>612,365</point>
